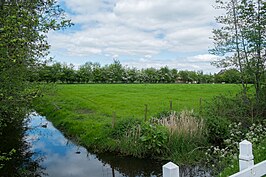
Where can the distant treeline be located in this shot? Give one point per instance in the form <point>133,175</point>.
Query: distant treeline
<point>117,73</point>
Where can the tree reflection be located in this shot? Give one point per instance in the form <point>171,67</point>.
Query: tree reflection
<point>21,161</point>
<point>129,166</point>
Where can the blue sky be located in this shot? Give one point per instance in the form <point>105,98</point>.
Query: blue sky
<point>139,33</point>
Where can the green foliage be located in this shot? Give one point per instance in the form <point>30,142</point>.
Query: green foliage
<point>6,157</point>
<point>115,73</point>
<point>225,158</point>
<point>154,139</point>
<point>23,45</point>
<point>186,134</point>
<point>231,119</point>
<point>259,152</point>
<point>239,108</point>
<point>217,130</point>
<point>228,76</point>
<point>140,139</point>
<point>187,149</point>
<point>241,39</point>
<point>123,126</point>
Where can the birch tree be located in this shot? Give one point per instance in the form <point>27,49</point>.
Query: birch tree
<point>241,40</point>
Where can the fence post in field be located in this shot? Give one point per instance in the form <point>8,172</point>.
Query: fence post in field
<point>145,113</point>
<point>245,156</point>
<point>170,170</point>
<point>171,105</point>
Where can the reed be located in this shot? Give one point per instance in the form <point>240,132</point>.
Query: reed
<point>183,123</point>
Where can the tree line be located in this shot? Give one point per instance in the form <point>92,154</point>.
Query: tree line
<point>117,73</point>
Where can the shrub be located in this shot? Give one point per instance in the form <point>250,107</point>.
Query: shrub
<point>141,138</point>
<point>222,156</point>
<point>217,130</point>
<point>244,108</point>
<point>154,138</point>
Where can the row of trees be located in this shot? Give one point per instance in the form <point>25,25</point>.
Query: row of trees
<point>117,73</point>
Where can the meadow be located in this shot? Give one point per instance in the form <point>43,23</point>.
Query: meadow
<point>129,100</point>
<point>92,113</point>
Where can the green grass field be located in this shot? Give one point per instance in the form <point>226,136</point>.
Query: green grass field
<point>130,100</point>
<point>85,112</point>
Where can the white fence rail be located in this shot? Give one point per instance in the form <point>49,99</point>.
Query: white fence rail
<point>246,164</point>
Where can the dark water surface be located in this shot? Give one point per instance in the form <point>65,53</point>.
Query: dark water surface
<point>63,158</point>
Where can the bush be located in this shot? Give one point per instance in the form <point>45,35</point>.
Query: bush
<point>217,130</point>
<point>244,108</point>
<point>141,138</point>
<point>154,139</point>
<point>222,156</point>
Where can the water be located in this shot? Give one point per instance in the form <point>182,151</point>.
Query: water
<point>60,157</point>
<point>63,158</point>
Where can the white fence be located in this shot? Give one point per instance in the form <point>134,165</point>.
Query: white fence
<point>246,164</point>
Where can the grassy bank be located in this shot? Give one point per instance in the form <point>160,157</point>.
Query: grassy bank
<point>86,113</point>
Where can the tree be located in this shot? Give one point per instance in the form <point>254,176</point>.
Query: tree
<point>241,39</point>
<point>115,71</point>
<point>228,76</point>
<point>23,29</point>
<point>69,73</point>
<point>86,72</point>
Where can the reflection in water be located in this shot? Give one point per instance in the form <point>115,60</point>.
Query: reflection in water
<point>42,150</point>
<point>63,158</point>
<point>21,162</point>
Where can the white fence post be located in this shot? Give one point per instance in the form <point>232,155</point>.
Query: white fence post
<point>245,157</point>
<point>170,170</point>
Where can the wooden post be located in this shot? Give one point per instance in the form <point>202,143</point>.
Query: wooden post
<point>146,112</point>
<point>171,105</point>
<point>245,156</point>
<point>113,121</point>
<point>170,170</point>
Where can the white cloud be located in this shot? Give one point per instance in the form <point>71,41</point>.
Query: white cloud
<point>195,63</point>
<point>203,58</point>
<point>137,28</point>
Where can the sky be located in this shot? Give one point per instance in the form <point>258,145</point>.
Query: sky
<point>138,33</point>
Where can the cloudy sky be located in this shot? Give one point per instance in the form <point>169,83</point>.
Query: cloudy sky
<point>139,33</point>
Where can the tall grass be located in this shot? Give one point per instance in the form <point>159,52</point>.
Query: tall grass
<point>186,139</point>
<point>185,123</point>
